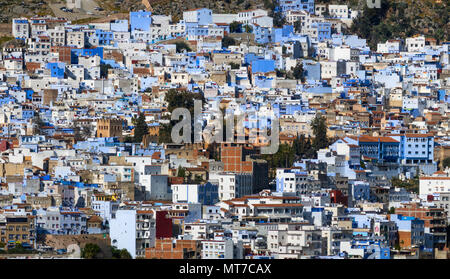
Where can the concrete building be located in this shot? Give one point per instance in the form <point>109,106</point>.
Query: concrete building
<point>134,230</point>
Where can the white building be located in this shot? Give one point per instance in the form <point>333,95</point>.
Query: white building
<point>415,44</point>
<point>247,16</point>
<point>437,183</point>
<point>194,193</point>
<point>200,16</point>
<point>350,150</point>
<point>57,36</point>
<point>338,11</point>
<point>292,181</point>
<point>76,39</point>
<point>291,241</point>
<point>232,185</point>
<point>220,249</point>
<point>390,46</point>
<point>20,28</point>
<point>133,230</point>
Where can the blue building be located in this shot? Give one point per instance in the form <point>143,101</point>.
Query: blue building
<point>264,82</point>
<point>140,20</point>
<point>311,70</point>
<point>323,30</point>
<point>201,16</point>
<point>360,191</point>
<point>250,57</point>
<point>76,52</point>
<point>29,93</point>
<point>263,66</point>
<point>263,35</point>
<point>415,148</point>
<point>370,248</point>
<point>57,69</point>
<point>411,230</point>
<point>119,25</point>
<point>282,34</point>
<point>384,149</point>
<point>297,5</point>
<point>104,37</point>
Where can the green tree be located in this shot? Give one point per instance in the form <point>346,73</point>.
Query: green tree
<point>298,72</point>
<point>278,18</point>
<point>228,41</point>
<point>178,99</point>
<point>81,132</point>
<point>319,127</point>
<point>124,254</point>
<point>104,70</point>
<point>309,151</point>
<point>298,26</point>
<point>181,172</point>
<point>362,164</point>
<point>234,66</point>
<point>409,184</point>
<point>38,124</point>
<point>182,99</point>
<point>141,128</point>
<point>300,146</point>
<point>19,249</point>
<point>128,139</point>
<point>90,251</point>
<point>269,5</point>
<point>120,253</point>
<point>134,120</point>
<point>198,179</point>
<point>248,28</point>
<point>375,26</point>
<point>235,27</point>
<point>182,45</point>
<point>446,162</point>
<point>213,148</point>
<point>283,158</point>
<point>280,73</point>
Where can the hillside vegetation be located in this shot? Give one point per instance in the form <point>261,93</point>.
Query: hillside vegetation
<point>176,7</point>
<point>403,18</point>
<point>16,8</point>
<point>395,19</point>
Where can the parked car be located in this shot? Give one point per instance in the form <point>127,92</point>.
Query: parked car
<point>61,251</point>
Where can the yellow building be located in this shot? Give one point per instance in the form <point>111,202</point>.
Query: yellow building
<point>107,128</point>
<point>16,230</point>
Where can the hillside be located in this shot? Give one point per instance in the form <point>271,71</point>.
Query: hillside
<point>396,18</point>
<point>403,18</point>
<point>16,8</point>
<point>176,7</point>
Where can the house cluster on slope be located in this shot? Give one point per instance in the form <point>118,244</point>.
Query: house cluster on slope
<point>71,93</point>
